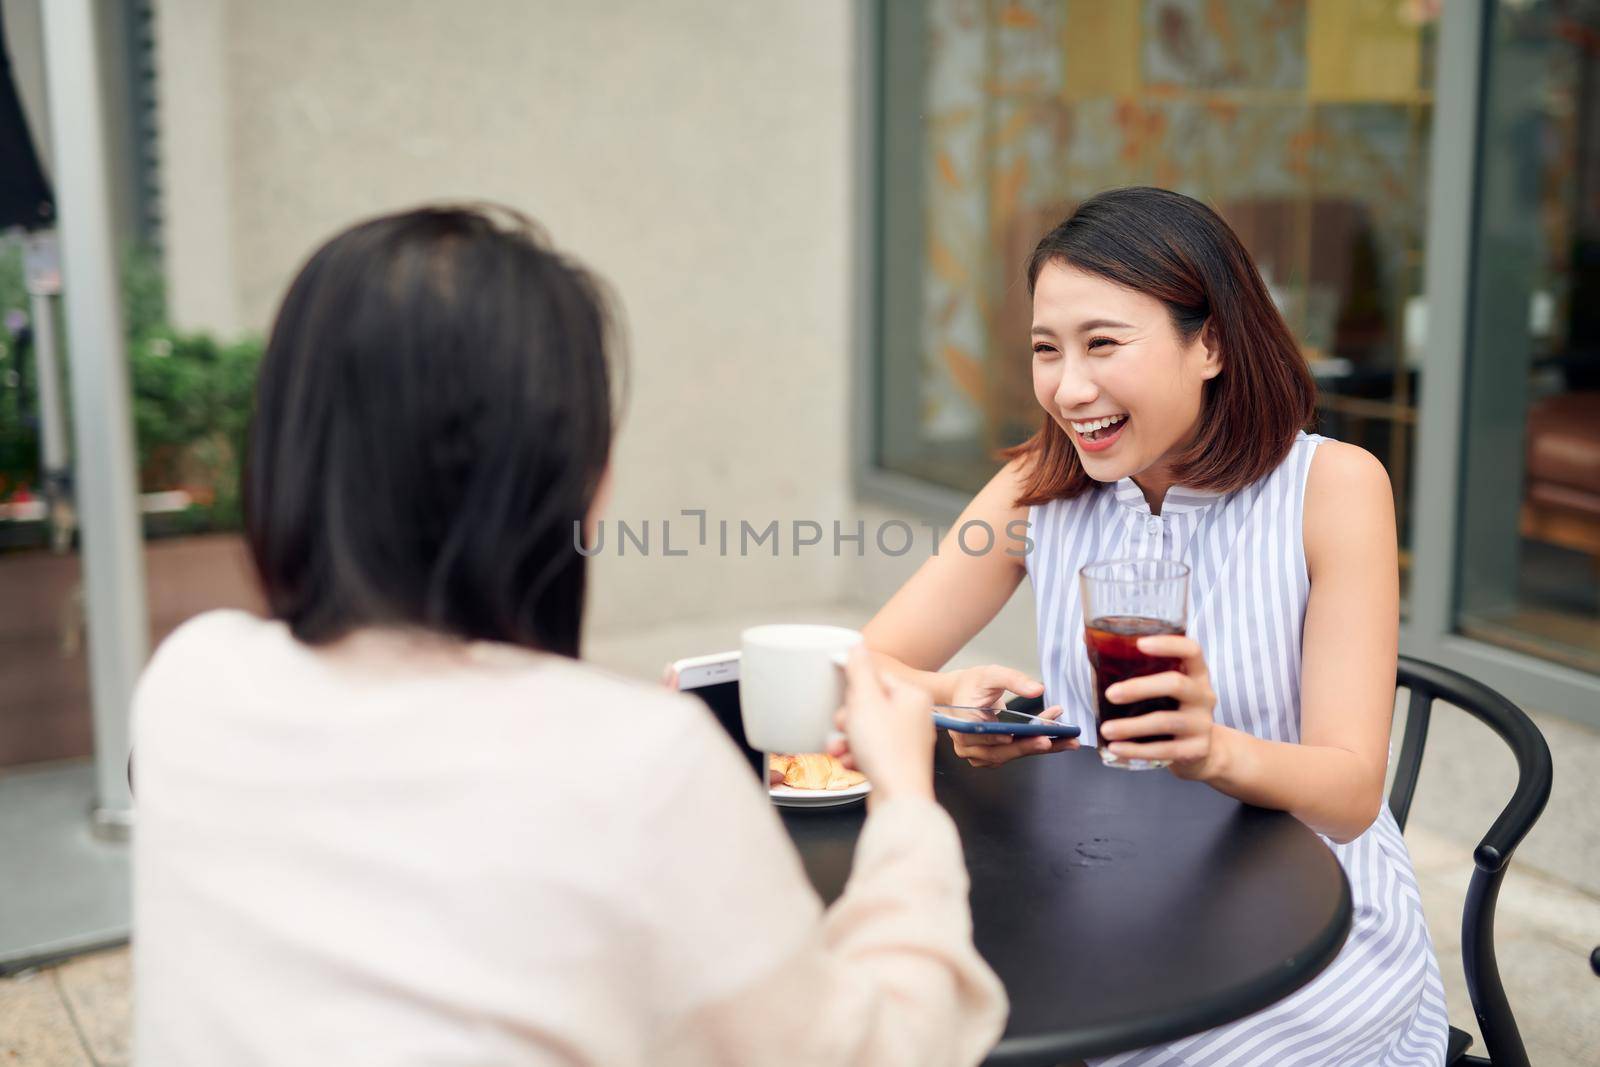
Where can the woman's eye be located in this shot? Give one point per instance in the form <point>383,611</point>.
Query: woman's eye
<point>1043,351</point>
<point>1097,342</point>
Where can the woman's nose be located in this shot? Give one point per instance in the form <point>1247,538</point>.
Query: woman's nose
<point>1076,389</point>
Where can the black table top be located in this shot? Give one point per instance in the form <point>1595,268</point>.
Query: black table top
<point>1121,909</point>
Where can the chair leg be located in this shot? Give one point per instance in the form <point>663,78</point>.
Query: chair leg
<point>1501,1038</point>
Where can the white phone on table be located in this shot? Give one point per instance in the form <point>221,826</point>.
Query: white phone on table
<point>715,680</point>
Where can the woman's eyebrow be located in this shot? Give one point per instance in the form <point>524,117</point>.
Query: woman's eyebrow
<point>1041,330</point>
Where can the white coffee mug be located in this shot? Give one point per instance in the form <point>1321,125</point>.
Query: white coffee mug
<point>791,681</point>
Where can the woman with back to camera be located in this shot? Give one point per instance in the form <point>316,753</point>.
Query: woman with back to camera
<point>399,822</point>
<point>1175,400</point>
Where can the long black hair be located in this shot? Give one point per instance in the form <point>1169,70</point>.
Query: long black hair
<point>434,413</point>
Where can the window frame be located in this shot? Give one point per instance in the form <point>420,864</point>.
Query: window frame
<point>1429,630</point>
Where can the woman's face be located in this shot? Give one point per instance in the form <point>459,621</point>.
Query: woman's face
<point>1102,352</point>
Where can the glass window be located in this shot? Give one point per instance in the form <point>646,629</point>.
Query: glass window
<point>1530,553</point>
<point>1304,122</point>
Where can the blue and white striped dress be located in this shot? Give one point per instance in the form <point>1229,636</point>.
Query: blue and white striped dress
<point>1380,1003</point>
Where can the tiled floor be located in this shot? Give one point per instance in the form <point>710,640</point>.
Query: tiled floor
<point>1544,932</point>
<point>73,1015</point>
<point>77,1014</point>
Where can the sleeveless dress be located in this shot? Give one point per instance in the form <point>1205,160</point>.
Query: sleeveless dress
<point>1380,1003</point>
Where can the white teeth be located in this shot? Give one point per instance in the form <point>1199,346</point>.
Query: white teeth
<point>1097,424</point>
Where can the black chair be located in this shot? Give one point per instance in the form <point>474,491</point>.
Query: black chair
<point>1428,682</point>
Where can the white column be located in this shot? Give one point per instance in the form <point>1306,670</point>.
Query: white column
<point>113,564</point>
<point>53,457</point>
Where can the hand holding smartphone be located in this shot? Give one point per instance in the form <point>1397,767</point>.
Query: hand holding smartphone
<point>1004,721</point>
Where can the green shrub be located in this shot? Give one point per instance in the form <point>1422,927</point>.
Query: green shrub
<point>191,396</point>
<point>191,408</point>
<point>19,430</point>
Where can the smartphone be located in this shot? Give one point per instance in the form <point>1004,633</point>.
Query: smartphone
<point>1006,721</point>
<point>715,680</point>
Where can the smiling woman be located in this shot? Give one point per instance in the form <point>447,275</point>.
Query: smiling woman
<point>1174,404</point>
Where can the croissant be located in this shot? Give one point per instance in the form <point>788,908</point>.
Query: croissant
<point>809,771</point>
<point>816,770</point>
<point>844,779</point>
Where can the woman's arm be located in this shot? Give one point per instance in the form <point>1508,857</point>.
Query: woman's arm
<point>946,602</point>
<point>745,967</point>
<point>1350,638</point>
<point>1333,779</point>
<point>955,593</point>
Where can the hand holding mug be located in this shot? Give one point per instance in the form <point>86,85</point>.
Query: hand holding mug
<point>888,732</point>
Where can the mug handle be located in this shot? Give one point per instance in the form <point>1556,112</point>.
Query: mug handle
<point>840,660</point>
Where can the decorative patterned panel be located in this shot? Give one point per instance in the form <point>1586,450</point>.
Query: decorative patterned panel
<point>1302,121</point>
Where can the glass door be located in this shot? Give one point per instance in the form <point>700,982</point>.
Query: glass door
<point>1529,563</point>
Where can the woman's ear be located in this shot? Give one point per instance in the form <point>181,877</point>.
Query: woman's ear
<point>1212,353</point>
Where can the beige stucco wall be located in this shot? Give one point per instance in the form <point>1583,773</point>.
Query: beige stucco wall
<point>696,153</point>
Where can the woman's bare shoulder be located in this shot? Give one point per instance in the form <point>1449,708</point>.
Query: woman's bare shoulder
<point>1348,494</point>
<point>996,505</point>
<point>999,496</point>
<point>1338,468</point>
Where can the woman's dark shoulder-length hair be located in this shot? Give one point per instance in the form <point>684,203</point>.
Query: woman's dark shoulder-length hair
<point>1179,251</point>
<point>433,415</point>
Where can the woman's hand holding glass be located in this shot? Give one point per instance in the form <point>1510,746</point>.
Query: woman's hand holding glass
<point>1191,728</point>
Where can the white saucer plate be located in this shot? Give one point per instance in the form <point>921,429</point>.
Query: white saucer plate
<point>788,797</point>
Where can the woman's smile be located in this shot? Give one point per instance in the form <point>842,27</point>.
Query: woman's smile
<point>1097,435</point>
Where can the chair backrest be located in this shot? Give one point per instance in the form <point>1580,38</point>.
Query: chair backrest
<point>1428,682</point>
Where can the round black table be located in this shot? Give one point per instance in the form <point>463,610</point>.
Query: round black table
<point>1121,909</point>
